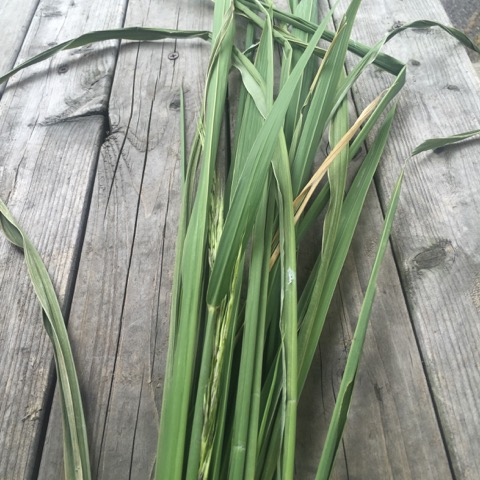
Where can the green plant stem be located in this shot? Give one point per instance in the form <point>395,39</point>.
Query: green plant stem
<point>288,320</point>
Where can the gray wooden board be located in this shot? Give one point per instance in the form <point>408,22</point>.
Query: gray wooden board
<point>49,146</point>
<point>436,235</point>
<point>119,318</point>
<point>14,22</point>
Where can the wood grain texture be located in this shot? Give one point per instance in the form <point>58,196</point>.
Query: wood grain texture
<point>51,128</point>
<point>121,306</point>
<point>14,22</point>
<point>436,235</point>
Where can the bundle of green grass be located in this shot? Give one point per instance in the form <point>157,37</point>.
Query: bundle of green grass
<point>243,331</point>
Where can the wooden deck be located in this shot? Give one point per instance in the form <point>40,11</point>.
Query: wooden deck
<point>89,151</point>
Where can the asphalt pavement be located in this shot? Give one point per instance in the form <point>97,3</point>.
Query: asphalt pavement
<point>465,15</point>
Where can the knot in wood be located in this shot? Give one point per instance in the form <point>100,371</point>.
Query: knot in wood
<point>175,103</point>
<point>455,88</point>
<point>436,255</point>
<point>173,55</point>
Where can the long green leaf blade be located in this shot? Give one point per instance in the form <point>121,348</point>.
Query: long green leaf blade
<point>129,33</point>
<point>252,121</point>
<point>344,396</point>
<point>434,143</point>
<point>76,454</point>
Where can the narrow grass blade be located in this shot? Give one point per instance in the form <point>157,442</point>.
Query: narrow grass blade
<point>288,317</point>
<point>76,454</point>
<point>242,99</point>
<point>130,33</point>
<point>251,123</point>
<point>204,410</point>
<point>434,143</point>
<point>254,422</point>
<point>254,317</point>
<point>268,456</point>
<point>454,32</point>
<point>388,96</point>
<point>347,82</point>
<point>344,396</point>
<point>337,177</point>
<point>252,81</point>
<point>272,423</point>
<point>307,9</point>
<point>186,173</point>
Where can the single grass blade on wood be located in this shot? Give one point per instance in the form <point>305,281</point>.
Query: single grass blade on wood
<point>424,24</point>
<point>129,33</point>
<point>434,143</point>
<point>342,403</point>
<point>151,34</point>
<point>76,453</point>
<point>182,226</point>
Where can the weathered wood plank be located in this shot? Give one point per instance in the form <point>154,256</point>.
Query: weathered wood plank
<point>120,312</point>
<point>14,23</point>
<point>49,145</point>
<point>436,236</point>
